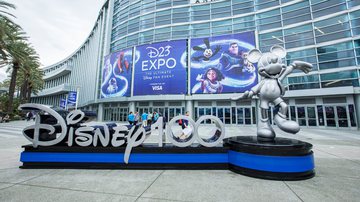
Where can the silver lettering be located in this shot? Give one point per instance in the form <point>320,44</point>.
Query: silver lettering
<point>132,141</point>
<point>84,139</point>
<point>104,138</point>
<point>119,133</point>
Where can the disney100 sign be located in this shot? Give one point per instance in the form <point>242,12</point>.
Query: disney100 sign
<point>86,135</point>
<point>270,89</point>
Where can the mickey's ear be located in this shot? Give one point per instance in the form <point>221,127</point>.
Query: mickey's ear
<point>278,50</point>
<point>254,55</point>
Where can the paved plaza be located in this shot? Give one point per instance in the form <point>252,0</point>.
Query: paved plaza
<point>337,161</point>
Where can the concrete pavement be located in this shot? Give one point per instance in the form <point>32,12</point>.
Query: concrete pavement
<point>337,160</point>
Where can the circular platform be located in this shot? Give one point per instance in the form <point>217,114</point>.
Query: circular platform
<point>281,159</point>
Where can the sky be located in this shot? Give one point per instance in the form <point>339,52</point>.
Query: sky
<point>56,28</point>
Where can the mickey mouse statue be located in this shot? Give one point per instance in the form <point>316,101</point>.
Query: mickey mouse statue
<point>270,89</point>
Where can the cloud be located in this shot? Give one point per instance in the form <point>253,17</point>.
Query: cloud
<point>56,28</point>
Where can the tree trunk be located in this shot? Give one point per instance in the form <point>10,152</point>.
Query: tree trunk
<point>23,92</point>
<point>12,87</point>
<point>29,94</point>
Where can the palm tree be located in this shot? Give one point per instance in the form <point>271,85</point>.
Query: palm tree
<point>9,33</point>
<point>15,52</point>
<point>30,79</point>
<point>20,54</point>
<point>6,5</point>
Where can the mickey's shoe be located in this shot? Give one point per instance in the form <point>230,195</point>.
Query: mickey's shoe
<point>264,130</point>
<point>286,125</point>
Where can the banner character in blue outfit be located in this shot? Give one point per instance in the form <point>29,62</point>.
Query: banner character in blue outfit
<point>235,60</point>
<point>210,81</point>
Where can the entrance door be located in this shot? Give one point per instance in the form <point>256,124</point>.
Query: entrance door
<point>330,116</point>
<point>342,117</point>
<point>224,114</point>
<point>205,111</point>
<point>337,116</point>
<point>301,116</point>
<point>306,115</point>
<point>175,111</point>
<point>243,115</point>
<point>311,116</point>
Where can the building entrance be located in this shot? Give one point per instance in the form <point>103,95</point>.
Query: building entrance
<point>224,114</point>
<point>306,116</point>
<point>337,116</point>
<point>243,115</point>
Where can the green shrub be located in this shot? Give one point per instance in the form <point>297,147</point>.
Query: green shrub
<point>16,117</point>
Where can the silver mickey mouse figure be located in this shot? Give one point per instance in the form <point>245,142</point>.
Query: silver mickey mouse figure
<point>270,89</point>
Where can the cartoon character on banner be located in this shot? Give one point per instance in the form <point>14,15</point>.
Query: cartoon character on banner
<point>115,84</point>
<point>270,89</point>
<point>107,70</point>
<point>112,86</point>
<point>207,52</point>
<point>122,63</point>
<point>211,81</point>
<point>235,60</point>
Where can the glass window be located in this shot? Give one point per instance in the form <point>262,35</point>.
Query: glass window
<point>299,36</point>
<point>180,2</point>
<point>146,37</point>
<point>353,3</point>
<point>132,40</point>
<point>327,7</point>
<point>307,55</point>
<point>269,39</point>
<point>262,4</point>
<point>243,7</point>
<point>294,13</point>
<point>180,15</point>
<point>339,75</point>
<point>200,12</point>
<point>304,79</point>
<point>269,20</point>
<point>337,63</point>
<point>222,27</point>
<point>331,29</point>
<point>202,29</point>
<point>147,6</point>
<point>355,22</point>
<point>304,82</point>
<point>337,55</point>
<point>352,115</point>
<point>180,31</point>
<point>337,83</point>
<point>163,4</point>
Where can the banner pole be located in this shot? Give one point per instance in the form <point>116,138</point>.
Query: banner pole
<point>77,97</point>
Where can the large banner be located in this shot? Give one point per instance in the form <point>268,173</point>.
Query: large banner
<point>160,68</point>
<point>116,74</point>
<point>219,64</point>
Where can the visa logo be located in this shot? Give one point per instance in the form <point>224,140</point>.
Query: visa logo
<point>157,87</point>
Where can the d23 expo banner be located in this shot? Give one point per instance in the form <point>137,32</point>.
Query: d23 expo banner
<point>116,74</point>
<point>160,68</point>
<point>219,64</point>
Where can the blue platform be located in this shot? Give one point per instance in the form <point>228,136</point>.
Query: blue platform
<point>262,160</point>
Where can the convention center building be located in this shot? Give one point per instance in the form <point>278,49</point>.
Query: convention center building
<point>191,55</point>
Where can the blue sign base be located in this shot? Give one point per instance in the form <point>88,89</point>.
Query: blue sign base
<point>283,159</point>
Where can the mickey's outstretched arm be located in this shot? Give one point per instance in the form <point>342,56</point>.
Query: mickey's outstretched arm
<point>249,94</point>
<point>303,66</point>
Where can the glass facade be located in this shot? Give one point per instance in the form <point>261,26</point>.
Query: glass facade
<point>325,33</point>
<point>317,31</point>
